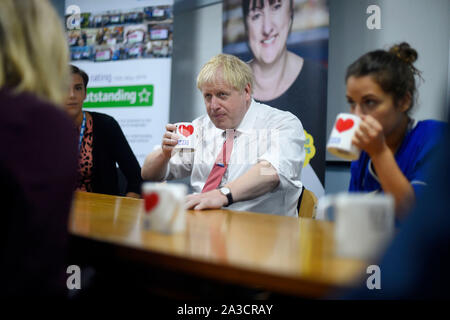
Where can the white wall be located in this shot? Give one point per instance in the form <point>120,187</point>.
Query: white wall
<point>197,38</point>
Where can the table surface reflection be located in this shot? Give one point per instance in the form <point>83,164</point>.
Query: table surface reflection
<point>284,254</point>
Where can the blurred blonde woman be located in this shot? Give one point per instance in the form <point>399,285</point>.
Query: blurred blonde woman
<point>38,164</point>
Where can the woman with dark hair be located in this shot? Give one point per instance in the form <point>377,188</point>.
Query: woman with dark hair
<point>286,81</point>
<point>102,145</point>
<point>381,89</point>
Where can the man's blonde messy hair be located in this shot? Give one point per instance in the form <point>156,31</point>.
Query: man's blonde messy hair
<point>234,71</point>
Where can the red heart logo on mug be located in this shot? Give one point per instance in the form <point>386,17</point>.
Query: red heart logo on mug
<point>186,130</point>
<point>151,201</point>
<point>344,125</point>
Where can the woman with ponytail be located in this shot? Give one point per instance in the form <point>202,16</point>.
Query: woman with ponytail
<point>381,89</point>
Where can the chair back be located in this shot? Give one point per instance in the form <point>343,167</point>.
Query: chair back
<point>308,204</point>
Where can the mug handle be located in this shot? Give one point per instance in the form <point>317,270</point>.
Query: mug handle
<point>326,203</point>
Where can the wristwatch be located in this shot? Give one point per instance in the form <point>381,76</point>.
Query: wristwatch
<point>227,192</point>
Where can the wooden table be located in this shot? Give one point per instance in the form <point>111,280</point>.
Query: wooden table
<point>281,254</point>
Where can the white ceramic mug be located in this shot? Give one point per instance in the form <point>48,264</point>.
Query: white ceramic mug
<point>340,141</point>
<point>187,135</point>
<point>364,222</point>
<point>164,207</point>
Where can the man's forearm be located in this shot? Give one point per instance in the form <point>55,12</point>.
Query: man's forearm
<point>258,180</point>
<point>155,166</point>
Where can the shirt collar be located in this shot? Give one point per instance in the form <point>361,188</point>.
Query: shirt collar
<point>247,124</point>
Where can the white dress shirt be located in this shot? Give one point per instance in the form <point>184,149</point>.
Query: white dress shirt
<point>265,133</point>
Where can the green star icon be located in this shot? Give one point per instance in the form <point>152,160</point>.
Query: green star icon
<point>144,95</point>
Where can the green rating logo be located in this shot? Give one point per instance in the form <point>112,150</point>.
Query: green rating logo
<point>123,96</point>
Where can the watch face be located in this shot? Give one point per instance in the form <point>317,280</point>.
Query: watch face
<point>224,191</point>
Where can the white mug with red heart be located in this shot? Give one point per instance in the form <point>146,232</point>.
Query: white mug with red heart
<point>186,135</point>
<point>164,207</point>
<point>340,142</point>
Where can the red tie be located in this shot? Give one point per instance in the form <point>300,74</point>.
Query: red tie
<point>221,164</point>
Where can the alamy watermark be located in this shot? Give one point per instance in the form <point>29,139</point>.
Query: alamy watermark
<point>74,279</point>
<point>374,280</point>
<point>254,146</point>
<point>374,20</point>
<point>74,19</point>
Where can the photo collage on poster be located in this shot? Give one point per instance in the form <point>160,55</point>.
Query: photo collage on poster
<point>116,35</point>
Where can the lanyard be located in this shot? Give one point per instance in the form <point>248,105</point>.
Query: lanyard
<point>83,126</point>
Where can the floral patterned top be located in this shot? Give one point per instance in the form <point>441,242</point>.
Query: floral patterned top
<point>85,162</point>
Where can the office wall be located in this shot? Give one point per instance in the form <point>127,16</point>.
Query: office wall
<point>197,37</point>
<point>59,7</point>
<point>424,24</point>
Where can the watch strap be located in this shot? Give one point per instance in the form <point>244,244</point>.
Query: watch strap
<point>230,199</point>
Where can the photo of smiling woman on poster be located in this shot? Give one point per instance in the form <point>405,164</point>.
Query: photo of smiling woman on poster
<point>284,78</point>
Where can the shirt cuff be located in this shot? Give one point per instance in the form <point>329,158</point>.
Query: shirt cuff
<point>166,175</point>
<point>286,176</point>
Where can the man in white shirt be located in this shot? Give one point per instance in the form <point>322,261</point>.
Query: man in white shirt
<point>261,170</point>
